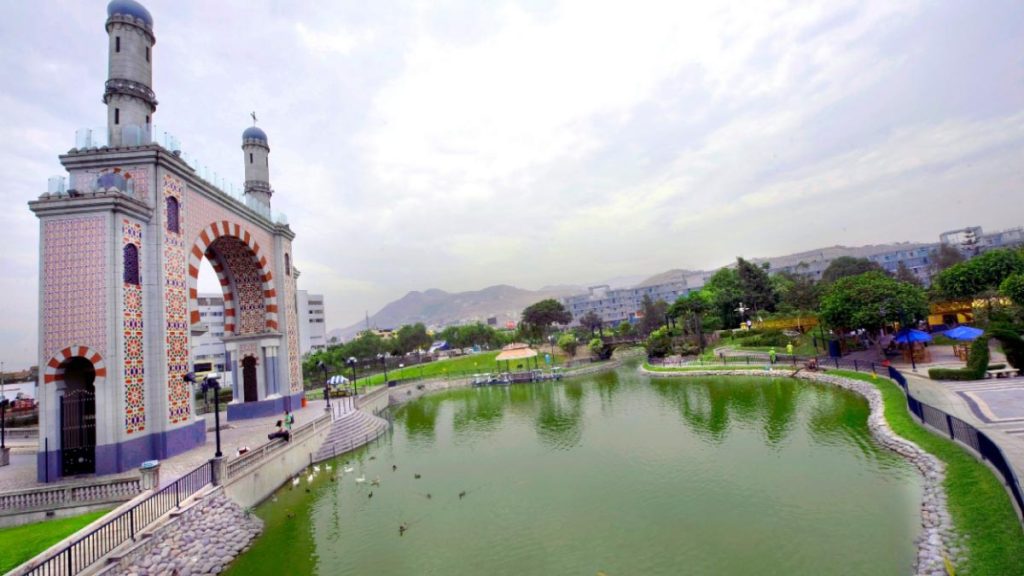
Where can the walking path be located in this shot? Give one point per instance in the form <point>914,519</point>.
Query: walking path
<point>21,473</point>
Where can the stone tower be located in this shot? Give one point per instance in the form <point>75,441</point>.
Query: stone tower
<point>128,93</point>
<point>257,169</point>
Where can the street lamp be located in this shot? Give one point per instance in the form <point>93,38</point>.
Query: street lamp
<point>383,359</point>
<point>352,364</point>
<point>211,382</point>
<point>327,389</point>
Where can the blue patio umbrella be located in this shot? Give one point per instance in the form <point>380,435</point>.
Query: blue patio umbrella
<point>964,333</point>
<point>911,336</point>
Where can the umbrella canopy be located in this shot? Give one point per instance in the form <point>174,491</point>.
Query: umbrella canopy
<point>911,336</point>
<point>964,333</point>
<point>516,351</point>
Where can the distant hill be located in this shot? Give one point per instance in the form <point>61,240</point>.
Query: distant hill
<point>437,308</point>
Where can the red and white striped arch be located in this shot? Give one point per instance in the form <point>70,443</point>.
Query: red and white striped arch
<point>53,371</point>
<point>201,248</point>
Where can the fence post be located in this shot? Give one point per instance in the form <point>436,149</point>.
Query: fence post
<point>177,494</point>
<point>837,363</point>
<point>748,359</point>
<point>949,424</point>
<point>856,368</point>
<point>131,523</point>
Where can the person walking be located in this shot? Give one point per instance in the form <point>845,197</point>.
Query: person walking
<point>771,355</point>
<point>289,419</point>
<point>789,348</point>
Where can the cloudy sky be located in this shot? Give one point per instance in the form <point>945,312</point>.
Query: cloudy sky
<point>458,144</point>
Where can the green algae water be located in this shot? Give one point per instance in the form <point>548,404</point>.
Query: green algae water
<point>615,473</point>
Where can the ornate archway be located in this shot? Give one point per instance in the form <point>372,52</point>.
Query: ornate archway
<point>244,275</point>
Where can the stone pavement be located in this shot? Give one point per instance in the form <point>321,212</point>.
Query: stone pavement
<point>21,473</point>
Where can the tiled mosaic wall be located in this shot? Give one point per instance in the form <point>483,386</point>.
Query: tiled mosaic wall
<point>134,368</point>
<point>179,395</point>
<point>292,319</point>
<point>74,284</point>
<point>240,266</point>
<point>135,180</point>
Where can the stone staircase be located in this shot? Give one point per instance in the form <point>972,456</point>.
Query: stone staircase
<point>351,431</point>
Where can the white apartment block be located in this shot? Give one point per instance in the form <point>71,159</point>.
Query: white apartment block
<point>312,322</point>
<point>208,351</point>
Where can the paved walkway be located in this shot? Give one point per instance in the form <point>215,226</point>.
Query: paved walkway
<point>21,473</point>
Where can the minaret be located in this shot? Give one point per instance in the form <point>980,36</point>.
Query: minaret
<point>257,168</point>
<point>129,92</point>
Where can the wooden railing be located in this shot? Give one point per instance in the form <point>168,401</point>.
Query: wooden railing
<point>257,456</point>
<point>71,494</point>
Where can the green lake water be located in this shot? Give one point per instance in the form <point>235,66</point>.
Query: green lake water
<point>615,473</point>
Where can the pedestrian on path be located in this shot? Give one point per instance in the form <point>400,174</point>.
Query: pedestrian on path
<point>771,355</point>
<point>789,348</point>
<point>289,419</point>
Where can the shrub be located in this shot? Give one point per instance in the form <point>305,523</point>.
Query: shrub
<point>1013,346</point>
<point>977,363</point>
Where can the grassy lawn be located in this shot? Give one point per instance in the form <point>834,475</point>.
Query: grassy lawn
<point>803,345</point>
<point>21,543</point>
<point>979,504</point>
<point>459,366</point>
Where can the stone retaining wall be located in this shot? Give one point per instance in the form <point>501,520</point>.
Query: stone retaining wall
<point>204,539</point>
<point>938,537</point>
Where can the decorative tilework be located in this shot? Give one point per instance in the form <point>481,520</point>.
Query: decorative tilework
<point>134,366</point>
<point>179,396</point>
<point>74,294</point>
<point>292,332</point>
<point>249,349</point>
<point>132,180</point>
<point>241,267</point>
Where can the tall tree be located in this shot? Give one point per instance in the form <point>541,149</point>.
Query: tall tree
<point>758,292</point>
<point>654,315</point>
<point>1013,288</point>
<point>592,321</point>
<point>905,274</point>
<point>539,317</point>
<point>725,294</point>
<point>848,266</point>
<point>797,292</point>
<point>870,301</point>
<point>980,274</point>
<point>944,256</point>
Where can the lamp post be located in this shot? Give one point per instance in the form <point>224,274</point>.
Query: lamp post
<point>211,381</point>
<point>743,312</point>
<point>327,389</point>
<point>383,359</point>
<point>352,364</point>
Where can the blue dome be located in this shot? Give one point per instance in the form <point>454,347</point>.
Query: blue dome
<point>255,133</point>
<point>130,8</point>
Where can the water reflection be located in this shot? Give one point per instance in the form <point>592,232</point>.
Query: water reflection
<point>559,420</point>
<point>708,407</point>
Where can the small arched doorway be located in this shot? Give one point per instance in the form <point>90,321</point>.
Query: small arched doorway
<point>78,417</point>
<point>249,379</point>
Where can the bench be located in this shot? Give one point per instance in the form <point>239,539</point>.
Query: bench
<point>1002,372</point>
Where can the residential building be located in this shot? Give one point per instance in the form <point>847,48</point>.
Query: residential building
<point>312,325</point>
<point>623,304</point>
<point>208,349</point>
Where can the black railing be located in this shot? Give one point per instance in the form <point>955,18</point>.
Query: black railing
<point>960,431</point>
<point>86,550</point>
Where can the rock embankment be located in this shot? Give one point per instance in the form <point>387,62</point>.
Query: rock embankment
<point>938,539</point>
<point>205,539</point>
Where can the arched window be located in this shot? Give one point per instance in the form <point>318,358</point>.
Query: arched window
<point>287,265</point>
<point>172,214</point>
<point>131,264</point>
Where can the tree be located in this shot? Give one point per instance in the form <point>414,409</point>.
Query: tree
<point>848,266</point>
<point>624,329</point>
<point>725,293</point>
<point>410,337</point>
<point>758,292</point>
<point>944,257</point>
<point>979,274</point>
<point>653,315</point>
<point>796,291</point>
<point>1013,288</point>
<point>545,313</point>
<point>567,342</point>
<point>592,321</point>
<point>905,274</point>
<point>870,301</point>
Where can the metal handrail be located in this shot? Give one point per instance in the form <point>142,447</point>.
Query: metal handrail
<point>87,549</point>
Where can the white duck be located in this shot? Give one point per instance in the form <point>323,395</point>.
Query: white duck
<point>316,469</point>
<point>349,469</point>
<point>309,478</point>
<point>295,481</point>
<point>361,479</point>
<point>328,467</point>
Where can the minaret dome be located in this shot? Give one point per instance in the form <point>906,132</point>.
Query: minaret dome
<point>128,92</point>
